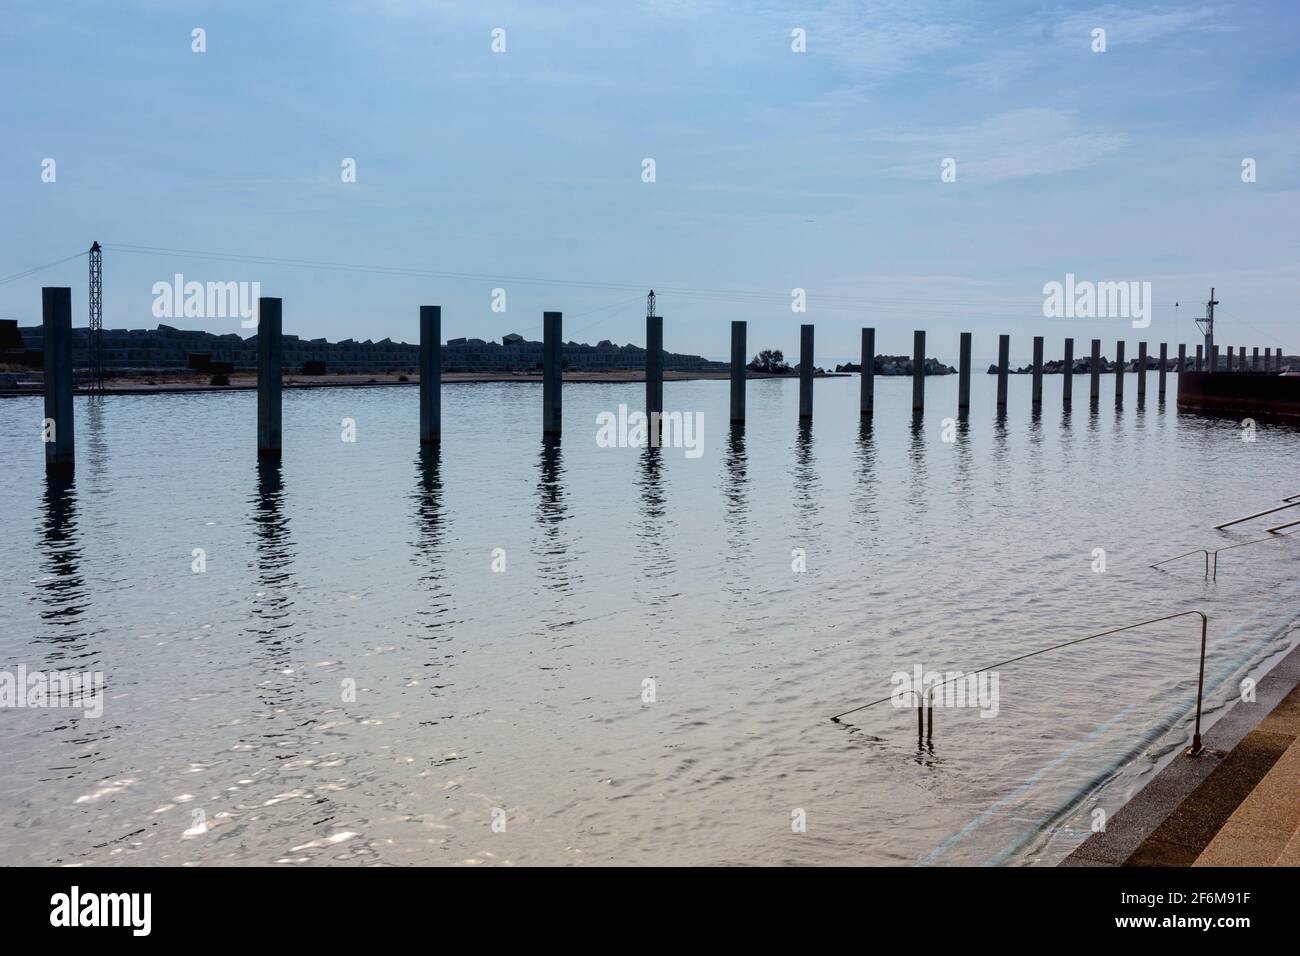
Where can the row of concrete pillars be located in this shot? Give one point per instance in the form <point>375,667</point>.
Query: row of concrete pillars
<point>56,307</point>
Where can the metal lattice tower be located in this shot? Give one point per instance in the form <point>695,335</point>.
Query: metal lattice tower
<point>1206,325</point>
<point>95,339</point>
<point>650,305</point>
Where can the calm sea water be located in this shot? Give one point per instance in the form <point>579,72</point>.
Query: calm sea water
<point>350,682</point>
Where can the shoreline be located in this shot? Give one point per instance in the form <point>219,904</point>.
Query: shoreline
<point>180,383</point>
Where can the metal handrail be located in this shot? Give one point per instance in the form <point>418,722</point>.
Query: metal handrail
<point>1259,514</point>
<point>925,709</point>
<point>1187,554</point>
<point>1212,569</point>
<point>1243,544</point>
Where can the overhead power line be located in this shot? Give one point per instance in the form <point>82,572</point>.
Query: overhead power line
<point>35,269</point>
<point>962,301</point>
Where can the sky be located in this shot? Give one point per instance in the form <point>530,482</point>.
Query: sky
<point>774,170</point>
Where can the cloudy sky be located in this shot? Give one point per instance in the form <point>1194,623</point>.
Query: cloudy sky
<point>774,169</point>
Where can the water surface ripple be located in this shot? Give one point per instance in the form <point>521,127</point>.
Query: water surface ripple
<point>613,650</point>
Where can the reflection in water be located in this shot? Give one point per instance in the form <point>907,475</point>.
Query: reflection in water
<point>273,601</point>
<point>1001,480</point>
<point>553,563</point>
<point>1066,439</point>
<point>290,711</point>
<point>807,482</point>
<point>1094,426</point>
<point>917,487</point>
<point>96,440</point>
<point>925,755</point>
<point>866,492</point>
<point>62,589</point>
<point>1035,477</point>
<point>277,686</point>
<point>430,529</point>
<point>736,481</point>
<point>735,491</point>
<point>1140,415</point>
<point>66,615</point>
<point>559,716</point>
<point>963,449</point>
<point>655,533</point>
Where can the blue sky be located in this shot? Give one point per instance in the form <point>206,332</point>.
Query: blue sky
<point>775,170</point>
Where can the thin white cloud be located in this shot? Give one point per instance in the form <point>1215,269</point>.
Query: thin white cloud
<point>1010,145</point>
<point>1036,44</point>
<point>998,69</point>
<point>875,38</point>
<point>1127,26</point>
<point>680,9</point>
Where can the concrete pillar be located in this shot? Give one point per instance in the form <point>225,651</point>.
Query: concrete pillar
<point>805,371</point>
<point>654,365</point>
<point>1268,360</point>
<point>1200,358</point>
<point>963,373</point>
<point>269,364</point>
<point>430,373</point>
<point>1164,362</point>
<point>918,371</point>
<point>1254,359</point>
<point>1214,359</point>
<point>867,402</point>
<point>1241,359</point>
<point>1067,375</point>
<point>1037,390</point>
<point>1004,357</point>
<point>1182,357</point>
<point>738,371</point>
<point>56,348</point>
<point>1142,371</point>
<point>1228,363</point>
<point>1119,370</point>
<point>552,371</point>
<point>1094,371</point>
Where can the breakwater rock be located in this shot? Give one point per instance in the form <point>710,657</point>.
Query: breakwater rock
<point>899,365</point>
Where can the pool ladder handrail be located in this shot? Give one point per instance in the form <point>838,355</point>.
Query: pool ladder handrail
<point>1292,502</point>
<point>1212,568</point>
<point>1187,554</point>
<point>925,708</point>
